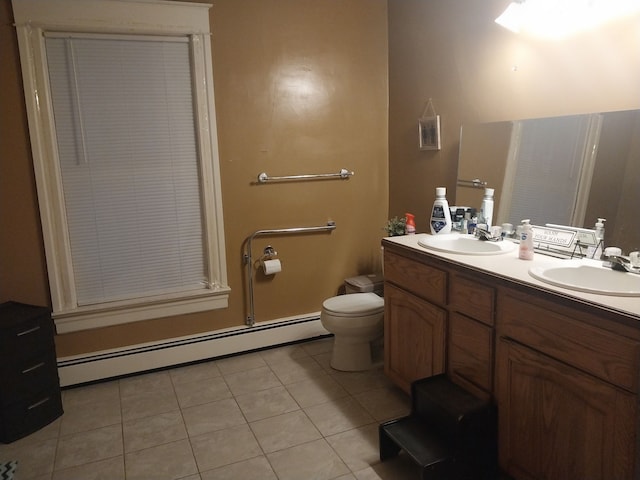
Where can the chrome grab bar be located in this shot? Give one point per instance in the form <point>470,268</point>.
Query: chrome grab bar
<point>475,183</point>
<point>247,257</point>
<point>343,173</point>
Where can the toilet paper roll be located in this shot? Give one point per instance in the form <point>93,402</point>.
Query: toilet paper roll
<point>271,267</point>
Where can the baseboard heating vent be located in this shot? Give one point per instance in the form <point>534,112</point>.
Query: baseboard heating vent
<point>106,364</point>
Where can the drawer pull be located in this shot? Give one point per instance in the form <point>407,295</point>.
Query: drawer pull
<point>35,367</point>
<point>37,404</point>
<point>27,332</point>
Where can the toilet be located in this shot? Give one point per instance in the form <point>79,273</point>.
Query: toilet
<point>356,320</point>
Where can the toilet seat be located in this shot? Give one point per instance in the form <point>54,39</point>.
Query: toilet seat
<point>354,305</point>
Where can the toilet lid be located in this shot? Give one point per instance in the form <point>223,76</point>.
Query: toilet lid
<point>354,304</point>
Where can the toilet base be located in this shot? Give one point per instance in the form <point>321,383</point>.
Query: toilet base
<point>351,355</point>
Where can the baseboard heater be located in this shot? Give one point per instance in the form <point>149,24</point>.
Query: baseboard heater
<point>132,359</point>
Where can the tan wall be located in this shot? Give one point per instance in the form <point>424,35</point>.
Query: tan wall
<point>301,87</point>
<point>476,71</point>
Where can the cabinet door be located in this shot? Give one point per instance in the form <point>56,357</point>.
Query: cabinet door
<point>557,422</point>
<point>470,354</point>
<point>414,337</point>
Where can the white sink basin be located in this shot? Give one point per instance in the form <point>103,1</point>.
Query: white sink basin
<point>588,277</point>
<point>465,244</point>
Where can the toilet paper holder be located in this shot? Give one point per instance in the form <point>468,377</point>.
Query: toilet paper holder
<point>269,253</point>
<point>269,262</point>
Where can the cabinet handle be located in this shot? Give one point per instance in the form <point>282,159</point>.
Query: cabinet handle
<point>35,367</point>
<point>37,404</point>
<point>31,330</point>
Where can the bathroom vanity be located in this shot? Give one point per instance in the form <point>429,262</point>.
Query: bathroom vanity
<point>562,366</point>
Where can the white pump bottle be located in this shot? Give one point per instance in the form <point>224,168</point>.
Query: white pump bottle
<point>525,250</point>
<point>440,213</point>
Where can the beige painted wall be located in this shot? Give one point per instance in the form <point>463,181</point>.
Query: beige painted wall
<point>301,87</point>
<point>476,71</point>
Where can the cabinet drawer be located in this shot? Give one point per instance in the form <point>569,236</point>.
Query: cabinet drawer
<point>31,334</point>
<point>611,357</point>
<point>25,378</point>
<point>423,280</point>
<point>28,415</point>
<point>472,298</point>
<point>470,351</point>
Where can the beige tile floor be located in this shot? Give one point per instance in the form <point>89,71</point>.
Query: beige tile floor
<point>281,413</point>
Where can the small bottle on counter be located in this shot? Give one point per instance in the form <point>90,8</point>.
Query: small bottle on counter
<point>410,225</point>
<point>597,253</point>
<point>471,226</point>
<point>440,213</point>
<point>486,209</point>
<point>525,251</point>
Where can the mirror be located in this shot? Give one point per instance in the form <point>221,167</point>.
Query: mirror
<point>568,170</point>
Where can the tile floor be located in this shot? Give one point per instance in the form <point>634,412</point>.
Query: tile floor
<point>281,413</point>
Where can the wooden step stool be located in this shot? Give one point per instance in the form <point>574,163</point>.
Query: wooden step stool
<point>449,433</point>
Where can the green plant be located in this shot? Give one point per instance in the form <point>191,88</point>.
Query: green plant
<point>395,226</point>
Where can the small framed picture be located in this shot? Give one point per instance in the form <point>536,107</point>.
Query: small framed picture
<point>429,133</point>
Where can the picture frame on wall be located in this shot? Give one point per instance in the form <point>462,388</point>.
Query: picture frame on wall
<point>429,133</point>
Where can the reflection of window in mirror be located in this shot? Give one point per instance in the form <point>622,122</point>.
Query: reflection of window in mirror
<point>548,175</point>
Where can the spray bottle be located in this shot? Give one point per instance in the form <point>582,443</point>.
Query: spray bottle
<point>410,225</point>
<point>486,209</point>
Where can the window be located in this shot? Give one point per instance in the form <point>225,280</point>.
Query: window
<point>120,105</point>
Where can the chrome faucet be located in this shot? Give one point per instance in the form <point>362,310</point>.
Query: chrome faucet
<point>483,234</point>
<point>622,264</point>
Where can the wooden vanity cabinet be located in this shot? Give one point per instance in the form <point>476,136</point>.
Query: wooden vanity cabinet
<point>564,373</point>
<point>566,388</point>
<point>557,422</point>
<point>437,319</point>
<point>414,320</point>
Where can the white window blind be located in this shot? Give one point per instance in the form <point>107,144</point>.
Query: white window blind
<point>125,128</point>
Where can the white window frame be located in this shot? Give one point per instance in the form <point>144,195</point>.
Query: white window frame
<point>149,17</point>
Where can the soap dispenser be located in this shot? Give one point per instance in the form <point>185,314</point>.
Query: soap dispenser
<point>525,251</point>
<point>597,251</point>
<point>440,213</point>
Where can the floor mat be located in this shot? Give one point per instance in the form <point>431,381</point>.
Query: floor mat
<point>7,470</point>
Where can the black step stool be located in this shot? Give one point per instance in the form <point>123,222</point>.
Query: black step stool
<point>450,433</point>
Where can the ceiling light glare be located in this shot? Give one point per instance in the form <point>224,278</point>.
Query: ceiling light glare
<point>511,18</point>
<point>560,18</point>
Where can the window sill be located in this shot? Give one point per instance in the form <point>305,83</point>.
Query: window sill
<point>104,315</point>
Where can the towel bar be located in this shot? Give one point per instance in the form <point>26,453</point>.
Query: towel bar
<point>343,173</point>
<point>475,183</point>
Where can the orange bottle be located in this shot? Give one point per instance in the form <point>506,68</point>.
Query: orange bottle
<point>410,226</point>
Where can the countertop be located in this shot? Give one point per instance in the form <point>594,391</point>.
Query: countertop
<point>508,266</point>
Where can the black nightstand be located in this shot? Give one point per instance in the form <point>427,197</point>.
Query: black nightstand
<point>29,385</point>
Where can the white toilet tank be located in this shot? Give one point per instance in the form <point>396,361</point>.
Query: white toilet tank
<point>373,282</point>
